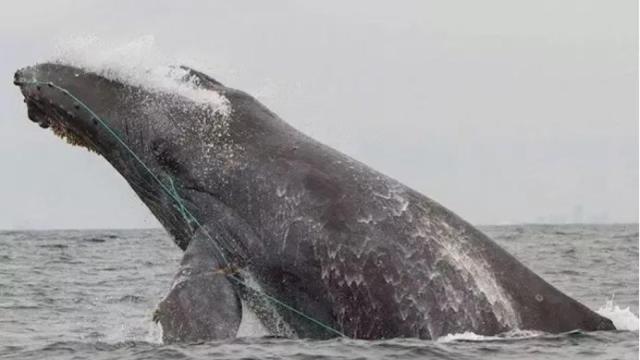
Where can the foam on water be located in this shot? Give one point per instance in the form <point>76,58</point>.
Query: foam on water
<point>471,336</point>
<point>154,333</point>
<point>623,319</point>
<point>138,63</point>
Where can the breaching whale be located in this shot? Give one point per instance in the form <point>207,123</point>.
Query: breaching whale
<point>316,243</point>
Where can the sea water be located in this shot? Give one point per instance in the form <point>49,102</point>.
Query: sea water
<point>91,294</point>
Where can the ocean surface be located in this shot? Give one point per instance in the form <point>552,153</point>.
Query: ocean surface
<point>79,294</point>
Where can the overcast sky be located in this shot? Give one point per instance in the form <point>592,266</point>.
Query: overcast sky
<point>503,111</point>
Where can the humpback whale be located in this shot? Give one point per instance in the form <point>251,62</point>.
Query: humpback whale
<point>314,242</point>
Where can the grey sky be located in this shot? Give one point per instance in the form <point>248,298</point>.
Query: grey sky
<point>503,111</point>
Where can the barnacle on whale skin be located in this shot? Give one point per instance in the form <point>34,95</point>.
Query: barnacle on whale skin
<point>69,136</point>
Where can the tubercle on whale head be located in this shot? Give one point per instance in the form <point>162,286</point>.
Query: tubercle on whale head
<point>67,99</point>
<point>140,131</point>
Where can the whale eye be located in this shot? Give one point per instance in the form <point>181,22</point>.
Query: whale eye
<point>164,154</point>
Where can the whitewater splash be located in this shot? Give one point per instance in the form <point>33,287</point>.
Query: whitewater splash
<point>137,63</point>
<point>623,319</point>
<point>473,337</point>
<point>250,325</point>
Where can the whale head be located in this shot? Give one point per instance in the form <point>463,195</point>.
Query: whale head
<point>152,133</point>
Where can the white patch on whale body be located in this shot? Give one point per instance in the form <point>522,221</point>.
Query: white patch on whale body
<point>475,270</point>
<point>137,63</point>
<point>368,220</point>
<point>402,205</point>
<point>395,199</point>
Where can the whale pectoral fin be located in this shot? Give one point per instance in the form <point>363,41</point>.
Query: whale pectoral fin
<point>200,307</point>
<point>202,304</point>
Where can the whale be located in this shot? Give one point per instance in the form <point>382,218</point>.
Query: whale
<point>315,243</point>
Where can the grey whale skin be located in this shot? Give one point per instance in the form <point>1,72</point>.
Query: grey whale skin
<point>312,227</point>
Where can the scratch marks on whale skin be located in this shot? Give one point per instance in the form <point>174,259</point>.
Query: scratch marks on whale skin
<point>354,279</point>
<point>434,273</point>
<point>290,224</point>
<point>362,248</point>
<point>285,239</point>
<point>464,276</point>
<point>389,201</point>
<point>368,220</point>
<point>395,199</point>
<point>397,264</point>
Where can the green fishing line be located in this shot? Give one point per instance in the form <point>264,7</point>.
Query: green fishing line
<point>171,190</point>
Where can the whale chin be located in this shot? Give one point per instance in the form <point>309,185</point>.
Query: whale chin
<point>51,116</point>
<point>44,110</point>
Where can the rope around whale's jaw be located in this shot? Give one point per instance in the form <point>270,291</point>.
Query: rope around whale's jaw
<point>179,204</point>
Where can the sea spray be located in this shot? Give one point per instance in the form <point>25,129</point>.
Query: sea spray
<point>137,63</point>
<point>623,318</point>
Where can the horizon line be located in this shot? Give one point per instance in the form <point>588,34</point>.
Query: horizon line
<point>477,225</point>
